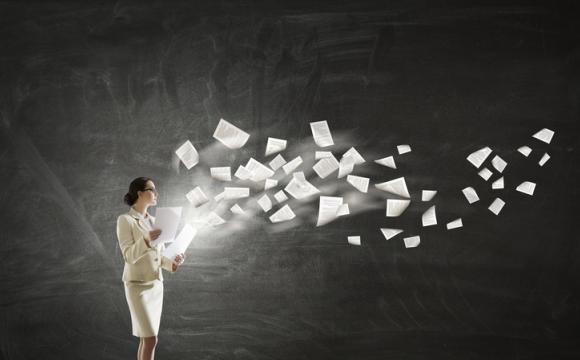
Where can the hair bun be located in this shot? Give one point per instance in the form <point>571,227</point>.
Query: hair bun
<point>128,199</point>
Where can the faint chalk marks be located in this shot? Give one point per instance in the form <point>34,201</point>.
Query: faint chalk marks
<point>383,43</point>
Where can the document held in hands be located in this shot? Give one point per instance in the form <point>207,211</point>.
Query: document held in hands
<point>181,243</point>
<point>166,219</point>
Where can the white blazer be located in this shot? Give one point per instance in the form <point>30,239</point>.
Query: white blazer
<point>142,263</point>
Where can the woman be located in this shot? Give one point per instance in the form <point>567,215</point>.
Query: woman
<point>142,275</point>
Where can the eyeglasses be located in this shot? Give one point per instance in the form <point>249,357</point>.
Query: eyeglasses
<point>154,191</point>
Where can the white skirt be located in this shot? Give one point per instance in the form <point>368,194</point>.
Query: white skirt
<point>145,301</point>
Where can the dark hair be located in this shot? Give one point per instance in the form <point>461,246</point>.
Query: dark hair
<point>138,184</point>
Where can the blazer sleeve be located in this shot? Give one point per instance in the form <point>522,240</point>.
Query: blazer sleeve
<point>132,250</point>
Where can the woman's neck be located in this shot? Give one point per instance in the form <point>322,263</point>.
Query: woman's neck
<point>141,208</point>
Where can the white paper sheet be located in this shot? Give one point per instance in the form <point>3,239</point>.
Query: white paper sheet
<point>277,162</point>
<point>498,184</point>
<point>229,135</point>
<point>354,240</point>
<point>259,171</point>
<point>496,206</point>
<point>265,203</point>
<point>403,149</point>
<point>167,219</point>
<point>485,173</point>
<point>280,196</point>
<point>478,157</point>
<point>223,173</point>
<point>284,214</point>
<point>187,154</point>
<point>181,243</point>
<point>236,209</point>
<point>299,175</point>
<point>357,157</point>
<point>322,154</point>
<point>242,173</point>
<point>525,150</point>
<point>325,166</point>
<point>429,217</point>
<point>388,161</point>
<point>213,219</point>
<point>390,233</point>
<point>343,210</point>
<point>411,242</point>
<point>360,183</point>
<point>275,145</point>
<point>428,195</point>
<point>270,183</point>
<point>526,187</point>
<point>544,159</point>
<point>292,165</point>
<point>498,163</point>
<point>345,166</point>
<point>321,133</point>
<point>544,135</point>
<point>197,197</point>
<point>300,189</point>
<point>328,209</point>
<point>470,194</point>
<point>397,186</point>
<point>396,207</point>
<point>457,223</point>
<point>236,193</point>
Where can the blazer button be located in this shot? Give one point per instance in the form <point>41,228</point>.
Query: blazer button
<point>156,259</point>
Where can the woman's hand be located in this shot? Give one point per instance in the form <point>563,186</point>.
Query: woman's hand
<point>152,235</point>
<point>179,260</point>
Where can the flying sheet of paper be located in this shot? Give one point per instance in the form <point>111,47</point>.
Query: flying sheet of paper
<point>544,135</point>
<point>498,184</point>
<point>284,214</point>
<point>411,242</point>
<point>544,159</point>
<point>181,243</point>
<point>485,173</point>
<point>292,165</point>
<point>213,219</point>
<point>478,157</point>
<point>470,194</point>
<point>223,173</point>
<point>270,183</point>
<point>343,210</point>
<point>328,209</point>
<point>242,173</point>
<point>322,154</point>
<point>187,154</point>
<point>498,163</point>
<point>197,197</point>
<point>345,166</point>
<point>277,162</point>
<point>229,135</point>
<point>428,195</point>
<point>299,175</point>
<point>275,145</point>
<point>259,171</point>
<point>403,149</point>
<point>280,196</point>
<point>525,150</point>
<point>396,207</point>
<point>300,189</point>
<point>457,223</point>
<point>526,187</point>
<point>390,233</point>
<point>236,209</point>
<point>357,157</point>
<point>325,166</point>
<point>219,197</point>
<point>265,203</point>
<point>496,206</point>
<point>354,240</point>
<point>321,133</point>
<point>429,217</point>
<point>166,219</point>
<point>397,186</point>
<point>388,161</point>
<point>359,182</point>
<point>236,193</point>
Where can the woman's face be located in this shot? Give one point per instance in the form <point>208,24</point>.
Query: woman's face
<point>149,194</point>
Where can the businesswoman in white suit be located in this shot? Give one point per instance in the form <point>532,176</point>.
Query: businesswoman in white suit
<point>142,274</point>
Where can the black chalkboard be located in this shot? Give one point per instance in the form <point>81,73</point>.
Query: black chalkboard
<point>94,94</point>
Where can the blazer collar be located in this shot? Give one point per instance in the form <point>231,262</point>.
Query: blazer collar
<point>134,213</point>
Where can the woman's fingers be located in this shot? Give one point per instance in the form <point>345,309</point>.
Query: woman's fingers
<point>154,234</point>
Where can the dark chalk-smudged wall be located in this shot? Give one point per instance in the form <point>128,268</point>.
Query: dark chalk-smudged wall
<point>93,94</point>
